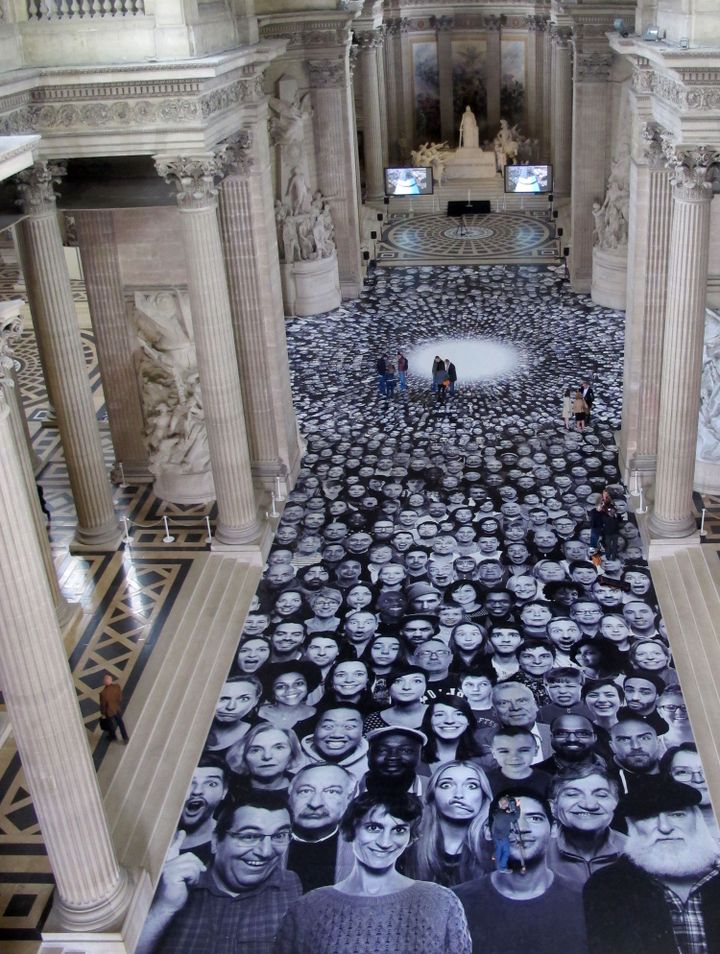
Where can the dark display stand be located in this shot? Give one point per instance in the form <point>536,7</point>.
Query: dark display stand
<point>477,207</point>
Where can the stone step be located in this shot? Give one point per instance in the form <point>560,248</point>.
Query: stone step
<point>456,190</point>
<point>687,583</point>
<point>172,710</point>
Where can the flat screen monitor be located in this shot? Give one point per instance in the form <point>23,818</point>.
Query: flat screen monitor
<point>530,179</point>
<point>409,180</point>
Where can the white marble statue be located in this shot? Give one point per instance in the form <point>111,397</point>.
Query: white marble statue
<point>287,122</point>
<point>305,227</point>
<point>167,368</point>
<point>507,144</point>
<point>433,154</point>
<point>469,137</point>
<point>611,218</point>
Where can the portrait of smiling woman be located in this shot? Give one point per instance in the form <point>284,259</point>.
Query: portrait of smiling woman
<point>377,910</point>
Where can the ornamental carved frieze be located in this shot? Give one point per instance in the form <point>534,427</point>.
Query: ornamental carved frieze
<point>443,24</point>
<point>36,186</point>
<point>592,67</point>
<point>235,94</point>
<point>326,74</point>
<point>306,36</point>
<point>686,98</point>
<point>493,23</point>
<point>643,80</point>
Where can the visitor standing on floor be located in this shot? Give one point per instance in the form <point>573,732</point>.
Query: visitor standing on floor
<point>442,380</point>
<point>452,375</point>
<point>580,410</point>
<point>390,380</point>
<point>437,368</point>
<point>381,370</point>
<point>111,706</point>
<point>402,369</point>
<point>567,408</point>
<point>588,397</point>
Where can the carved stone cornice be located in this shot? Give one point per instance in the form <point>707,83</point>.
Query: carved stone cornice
<point>194,177</point>
<point>592,67</point>
<point>235,153</point>
<point>536,23</point>
<point>326,74</point>
<point>691,171</point>
<point>308,35</point>
<point>443,24</point>
<point>35,186</point>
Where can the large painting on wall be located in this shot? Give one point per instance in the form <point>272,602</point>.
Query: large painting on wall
<point>469,61</point>
<point>427,92</point>
<point>512,89</point>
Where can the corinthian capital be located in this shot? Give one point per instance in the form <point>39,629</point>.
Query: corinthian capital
<point>652,145</point>
<point>691,171</point>
<point>326,73</point>
<point>370,39</point>
<point>35,185</point>
<point>236,153</point>
<point>194,177</point>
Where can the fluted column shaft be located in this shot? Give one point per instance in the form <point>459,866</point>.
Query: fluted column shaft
<point>648,245</point>
<point>444,28</point>
<point>393,85</point>
<point>253,272</point>
<point>53,312</point>
<point>334,143</point>
<point>561,112</point>
<point>494,69</point>
<point>682,351</point>
<point>215,347</point>
<point>370,98</point>
<point>108,313</point>
<point>42,704</point>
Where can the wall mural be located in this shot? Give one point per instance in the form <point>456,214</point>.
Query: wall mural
<point>513,106</point>
<point>469,71</point>
<point>427,92</point>
<point>453,723</point>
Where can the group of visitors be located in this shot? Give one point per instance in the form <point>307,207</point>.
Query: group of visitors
<point>390,375</point>
<point>431,643</point>
<point>444,378</point>
<point>577,405</point>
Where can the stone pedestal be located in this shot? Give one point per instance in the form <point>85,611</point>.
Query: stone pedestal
<point>334,144</point>
<point>58,334</point>
<point>238,523</point>
<point>310,288</point>
<point>93,891</point>
<point>468,163</point>
<point>609,277</point>
<point>108,313</point>
<point>673,515</point>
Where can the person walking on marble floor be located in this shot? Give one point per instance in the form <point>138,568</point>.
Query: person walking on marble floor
<point>111,704</point>
<point>381,371</point>
<point>390,380</point>
<point>452,375</point>
<point>567,407</point>
<point>402,369</point>
<point>580,410</point>
<point>437,368</point>
<point>588,397</point>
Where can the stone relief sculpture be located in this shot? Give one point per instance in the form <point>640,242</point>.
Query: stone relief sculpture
<point>433,154</point>
<point>468,137</point>
<point>708,444</point>
<point>286,124</point>
<point>611,218</point>
<point>304,225</point>
<point>175,433</point>
<point>506,144</point>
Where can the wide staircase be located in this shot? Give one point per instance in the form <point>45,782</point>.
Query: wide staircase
<point>687,583</point>
<point>144,784</point>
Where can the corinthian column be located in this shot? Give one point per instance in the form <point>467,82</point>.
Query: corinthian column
<point>101,269</point>
<point>683,342</point>
<point>444,30</point>
<point>561,110</point>
<point>10,325</point>
<point>648,244</point>
<point>334,143</point>
<point>58,334</point>
<point>249,239</point>
<point>368,44</point>
<point>494,69</point>
<point>195,179</point>
<point>93,891</point>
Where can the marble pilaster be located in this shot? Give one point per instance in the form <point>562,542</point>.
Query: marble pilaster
<point>648,244</point>
<point>56,326</point>
<point>535,71</point>
<point>335,138</point>
<point>673,515</point>
<point>444,27</point>
<point>195,179</point>
<point>493,64</point>
<point>368,43</point>
<point>393,86</point>
<point>590,142</point>
<point>93,892</point>
<point>561,110</point>
<point>10,324</point>
<point>382,86</point>
<point>113,338</point>
<point>546,138</point>
<point>254,285</point>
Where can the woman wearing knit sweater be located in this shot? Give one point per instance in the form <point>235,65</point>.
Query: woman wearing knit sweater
<point>376,910</point>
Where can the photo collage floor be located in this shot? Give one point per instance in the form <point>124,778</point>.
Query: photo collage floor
<point>436,679</point>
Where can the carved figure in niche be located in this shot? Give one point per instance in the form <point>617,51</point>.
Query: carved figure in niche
<point>175,433</point>
<point>286,126</point>
<point>611,218</point>
<point>469,137</point>
<point>308,235</point>
<point>297,192</point>
<point>708,444</point>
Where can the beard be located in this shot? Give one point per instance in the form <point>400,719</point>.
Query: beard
<point>691,859</point>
